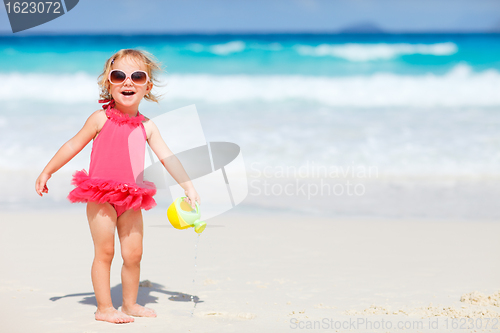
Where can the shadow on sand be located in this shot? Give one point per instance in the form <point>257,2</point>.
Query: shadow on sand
<point>143,297</point>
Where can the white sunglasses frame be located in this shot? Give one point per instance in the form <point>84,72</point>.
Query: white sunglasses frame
<point>128,76</point>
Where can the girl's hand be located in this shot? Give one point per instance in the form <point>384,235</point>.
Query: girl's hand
<point>192,196</point>
<point>41,183</point>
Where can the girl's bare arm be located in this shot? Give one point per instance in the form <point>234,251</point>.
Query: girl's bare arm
<point>68,150</point>
<point>171,163</point>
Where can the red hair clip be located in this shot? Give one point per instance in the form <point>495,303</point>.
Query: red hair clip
<point>111,103</point>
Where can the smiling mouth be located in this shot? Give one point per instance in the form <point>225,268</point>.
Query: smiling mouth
<point>128,93</point>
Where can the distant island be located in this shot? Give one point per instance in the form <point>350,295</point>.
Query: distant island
<point>362,28</point>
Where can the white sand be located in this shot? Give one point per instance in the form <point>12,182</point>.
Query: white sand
<point>254,272</point>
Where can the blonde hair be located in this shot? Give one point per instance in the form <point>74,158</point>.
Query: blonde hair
<point>153,67</point>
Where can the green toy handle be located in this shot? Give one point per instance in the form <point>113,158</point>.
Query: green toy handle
<point>196,204</point>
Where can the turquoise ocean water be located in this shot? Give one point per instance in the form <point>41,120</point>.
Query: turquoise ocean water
<point>416,108</point>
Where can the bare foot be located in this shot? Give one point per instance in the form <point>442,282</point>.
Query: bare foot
<point>112,315</point>
<point>137,310</point>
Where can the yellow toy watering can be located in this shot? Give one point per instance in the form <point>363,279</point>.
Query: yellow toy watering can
<point>182,216</point>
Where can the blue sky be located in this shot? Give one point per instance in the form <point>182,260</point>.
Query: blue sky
<point>212,16</point>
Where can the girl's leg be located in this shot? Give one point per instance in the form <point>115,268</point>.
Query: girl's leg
<point>130,232</point>
<point>102,222</point>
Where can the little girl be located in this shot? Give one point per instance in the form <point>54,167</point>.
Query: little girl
<point>114,188</point>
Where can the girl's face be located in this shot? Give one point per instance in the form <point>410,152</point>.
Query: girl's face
<point>128,95</point>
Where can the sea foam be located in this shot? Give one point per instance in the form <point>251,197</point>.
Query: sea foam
<point>459,87</point>
<point>218,49</point>
<point>380,51</point>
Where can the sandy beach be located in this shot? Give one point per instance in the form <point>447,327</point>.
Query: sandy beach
<point>256,271</point>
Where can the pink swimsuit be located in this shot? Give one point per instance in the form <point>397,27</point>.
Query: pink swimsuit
<point>116,166</point>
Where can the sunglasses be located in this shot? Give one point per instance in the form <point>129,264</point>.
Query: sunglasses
<point>117,76</point>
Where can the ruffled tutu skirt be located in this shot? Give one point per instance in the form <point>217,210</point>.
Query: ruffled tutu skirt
<point>130,196</point>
